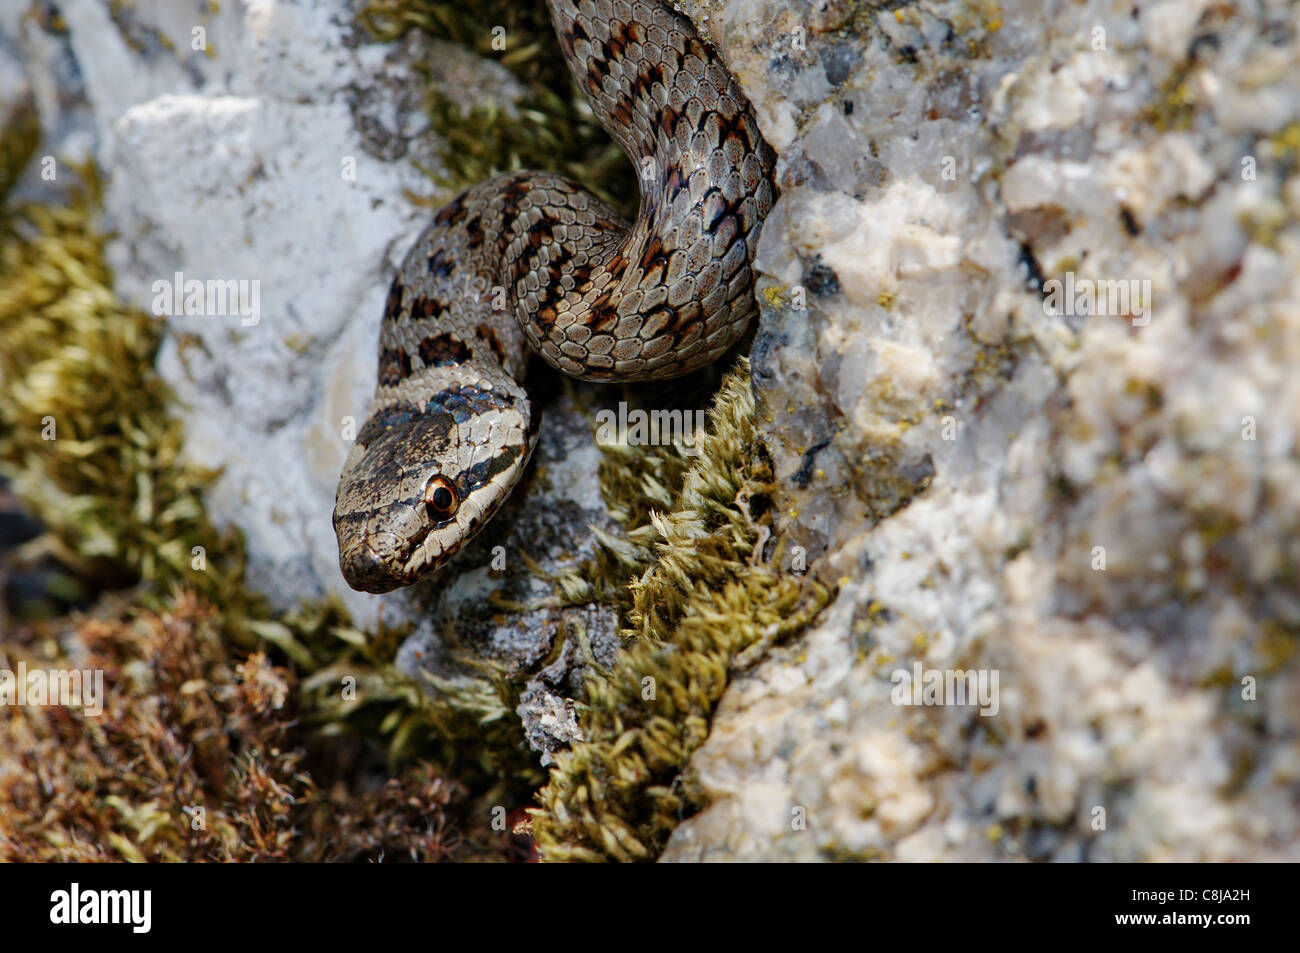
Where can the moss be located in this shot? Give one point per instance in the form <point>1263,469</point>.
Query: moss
<point>197,756</point>
<point>19,136</point>
<point>1286,145</point>
<point>85,436</point>
<point>707,600</point>
<point>1275,645</point>
<point>1175,106</point>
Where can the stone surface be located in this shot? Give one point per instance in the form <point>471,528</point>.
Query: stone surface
<point>495,610</point>
<point>962,458</point>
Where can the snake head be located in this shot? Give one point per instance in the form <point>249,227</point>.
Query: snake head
<point>420,482</point>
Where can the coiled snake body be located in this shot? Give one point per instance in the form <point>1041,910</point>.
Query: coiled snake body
<point>451,427</point>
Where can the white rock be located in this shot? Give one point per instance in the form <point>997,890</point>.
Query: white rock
<point>1084,143</point>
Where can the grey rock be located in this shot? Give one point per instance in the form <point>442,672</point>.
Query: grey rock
<point>493,608</point>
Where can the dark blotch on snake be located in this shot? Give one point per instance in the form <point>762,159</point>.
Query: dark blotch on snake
<point>440,266</point>
<point>443,349</point>
<point>376,425</point>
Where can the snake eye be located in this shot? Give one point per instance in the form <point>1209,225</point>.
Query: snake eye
<point>440,498</point>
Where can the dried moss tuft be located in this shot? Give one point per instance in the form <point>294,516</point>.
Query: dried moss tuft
<point>708,599</point>
<point>196,758</point>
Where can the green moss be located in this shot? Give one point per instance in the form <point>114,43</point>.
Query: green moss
<point>1286,146</point>
<point>1175,106</point>
<point>85,436</point>
<point>705,600</point>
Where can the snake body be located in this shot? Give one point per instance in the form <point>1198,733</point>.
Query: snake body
<point>530,262</point>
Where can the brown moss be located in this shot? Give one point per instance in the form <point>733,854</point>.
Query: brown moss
<point>196,757</point>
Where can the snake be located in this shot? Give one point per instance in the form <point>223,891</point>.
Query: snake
<point>531,263</point>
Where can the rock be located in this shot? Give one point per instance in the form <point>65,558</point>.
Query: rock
<point>497,611</point>
<point>1098,508</point>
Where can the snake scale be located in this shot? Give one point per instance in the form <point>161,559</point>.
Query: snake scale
<point>530,262</point>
